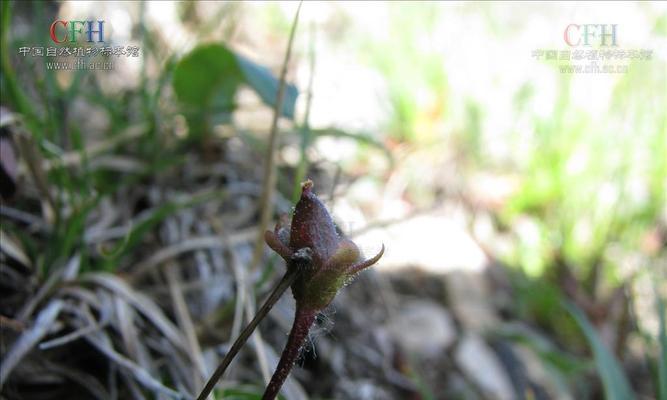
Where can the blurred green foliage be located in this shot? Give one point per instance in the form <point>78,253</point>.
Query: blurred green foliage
<point>586,180</point>
<point>590,184</point>
<point>614,381</point>
<point>206,80</point>
<point>416,77</point>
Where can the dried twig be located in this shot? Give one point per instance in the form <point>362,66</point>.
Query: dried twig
<point>196,243</point>
<point>304,130</point>
<point>241,294</point>
<point>266,207</point>
<point>185,322</point>
<point>102,343</point>
<point>74,158</point>
<point>142,303</point>
<point>68,272</point>
<point>30,338</point>
<point>34,160</point>
<point>72,336</point>
<point>35,223</point>
<point>266,200</point>
<point>257,340</point>
<point>275,295</point>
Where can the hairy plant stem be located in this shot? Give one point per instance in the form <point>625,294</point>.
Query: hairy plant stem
<point>303,319</point>
<point>277,292</point>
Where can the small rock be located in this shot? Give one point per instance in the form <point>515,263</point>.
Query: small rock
<point>468,294</point>
<point>435,243</point>
<point>422,327</point>
<point>479,363</point>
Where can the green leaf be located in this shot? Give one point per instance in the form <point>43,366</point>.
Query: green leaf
<point>137,233</point>
<point>266,85</point>
<point>69,233</point>
<point>548,352</point>
<point>614,381</point>
<point>208,72</point>
<point>208,77</point>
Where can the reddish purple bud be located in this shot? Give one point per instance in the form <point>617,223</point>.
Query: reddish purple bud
<point>313,227</point>
<point>325,262</point>
<point>328,260</point>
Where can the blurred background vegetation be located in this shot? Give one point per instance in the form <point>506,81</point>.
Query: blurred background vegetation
<point>130,198</point>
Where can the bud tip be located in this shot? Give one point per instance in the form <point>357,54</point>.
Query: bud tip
<point>306,186</point>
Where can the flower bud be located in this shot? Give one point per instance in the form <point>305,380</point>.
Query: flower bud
<point>326,260</point>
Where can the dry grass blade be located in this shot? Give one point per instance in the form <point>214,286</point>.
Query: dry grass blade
<point>103,344</point>
<point>34,160</point>
<point>72,267</point>
<point>30,338</point>
<point>86,381</point>
<point>72,336</point>
<point>180,373</point>
<point>132,385</point>
<point>75,157</point>
<point>304,130</point>
<point>185,322</point>
<point>266,200</point>
<point>258,342</point>
<point>142,303</point>
<point>103,217</point>
<point>275,295</point>
<point>34,223</point>
<point>69,272</point>
<point>83,295</point>
<point>125,320</point>
<point>87,324</point>
<point>10,247</point>
<point>178,367</point>
<point>247,302</point>
<point>118,164</point>
<point>241,293</point>
<point>197,243</point>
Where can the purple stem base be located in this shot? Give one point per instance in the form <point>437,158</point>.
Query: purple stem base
<point>303,319</point>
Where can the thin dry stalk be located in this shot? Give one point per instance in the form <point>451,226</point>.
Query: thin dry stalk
<point>102,342</point>
<point>141,269</point>
<point>30,338</point>
<point>275,295</point>
<point>241,293</point>
<point>266,200</point>
<point>185,322</point>
<point>35,165</point>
